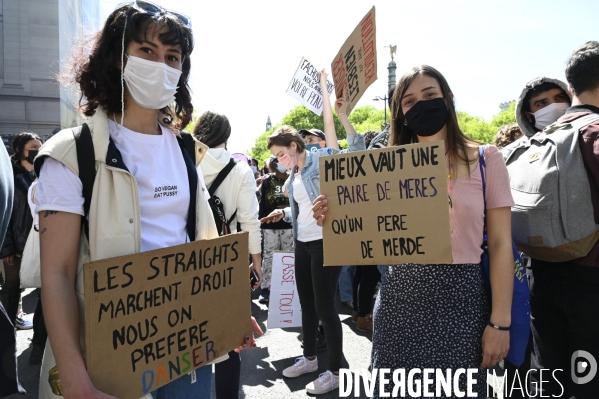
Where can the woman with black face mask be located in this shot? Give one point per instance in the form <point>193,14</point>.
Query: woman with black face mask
<point>439,316</point>
<point>25,147</point>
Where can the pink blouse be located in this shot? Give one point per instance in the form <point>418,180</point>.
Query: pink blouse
<point>466,210</point>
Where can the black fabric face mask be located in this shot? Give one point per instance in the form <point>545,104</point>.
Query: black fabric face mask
<point>31,156</point>
<point>426,118</point>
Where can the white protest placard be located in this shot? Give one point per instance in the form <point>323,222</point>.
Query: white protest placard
<point>305,86</point>
<point>284,308</point>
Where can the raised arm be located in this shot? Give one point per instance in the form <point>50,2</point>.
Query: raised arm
<point>340,109</point>
<point>327,113</point>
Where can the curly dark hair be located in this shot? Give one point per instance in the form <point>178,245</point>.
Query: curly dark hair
<point>19,141</point>
<point>212,129</point>
<point>99,74</point>
<point>506,135</point>
<point>369,135</point>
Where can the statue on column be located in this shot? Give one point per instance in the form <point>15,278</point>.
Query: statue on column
<point>393,50</point>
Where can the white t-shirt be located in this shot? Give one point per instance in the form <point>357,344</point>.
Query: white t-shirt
<point>31,203</point>
<point>307,229</point>
<point>159,170</point>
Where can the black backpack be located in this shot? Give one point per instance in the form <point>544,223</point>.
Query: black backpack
<point>218,210</point>
<point>216,205</point>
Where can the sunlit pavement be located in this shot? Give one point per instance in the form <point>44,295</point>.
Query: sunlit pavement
<point>261,368</point>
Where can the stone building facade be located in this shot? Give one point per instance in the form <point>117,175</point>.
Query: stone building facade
<point>35,36</point>
<point>29,63</point>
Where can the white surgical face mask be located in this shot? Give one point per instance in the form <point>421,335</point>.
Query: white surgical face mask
<point>254,169</point>
<point>549,114</point>
<point>152,85</point>
<point>281,168</point>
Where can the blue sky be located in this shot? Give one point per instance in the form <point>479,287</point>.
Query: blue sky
<point>247,52</point>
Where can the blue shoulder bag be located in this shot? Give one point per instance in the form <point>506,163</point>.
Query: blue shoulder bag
<point>520,328</point>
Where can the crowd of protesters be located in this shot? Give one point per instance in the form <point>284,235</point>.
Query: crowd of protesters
<point>135,93</point>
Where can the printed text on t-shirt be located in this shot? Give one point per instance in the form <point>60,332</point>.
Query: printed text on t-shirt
<point>165,191</point>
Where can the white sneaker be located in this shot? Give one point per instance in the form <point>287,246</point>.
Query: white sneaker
<point>326,382</point>
<point>302,365</point>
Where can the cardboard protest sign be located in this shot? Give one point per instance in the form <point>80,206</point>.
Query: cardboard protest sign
<point>305,87</point>
<point>155,316</point>
<point>284,309</point>
<point>386,206</point>
<point>354,67</point>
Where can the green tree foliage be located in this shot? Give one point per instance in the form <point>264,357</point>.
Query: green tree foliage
<point>362,118</point>
<point>301,117</point>
<point>475,127</point>
<point>478,129</point>
<point>367,118</point>
<point>506,117</point>
<point>259,150</point>
<point>370,118</point>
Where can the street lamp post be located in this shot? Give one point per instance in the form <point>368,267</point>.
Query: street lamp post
<point>391,83</point>
<point>377,98</point>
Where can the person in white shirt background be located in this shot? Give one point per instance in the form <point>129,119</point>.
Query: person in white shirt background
<point>238,195</point>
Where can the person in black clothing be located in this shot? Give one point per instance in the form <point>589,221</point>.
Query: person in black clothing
<point>277,236</point>
<point>564,296</point>
<point>9,382</point>
<point>366,278</point>
<point>25,147</point>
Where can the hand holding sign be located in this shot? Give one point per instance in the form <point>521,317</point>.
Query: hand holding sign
<point>250,341</point>
<point>341,107</point>
<point>319,209</point>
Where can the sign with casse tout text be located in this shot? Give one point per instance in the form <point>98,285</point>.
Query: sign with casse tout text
<point>284,309</point>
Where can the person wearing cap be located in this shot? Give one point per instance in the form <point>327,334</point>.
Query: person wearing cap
<point>313,136</point>
<point>278,236</point>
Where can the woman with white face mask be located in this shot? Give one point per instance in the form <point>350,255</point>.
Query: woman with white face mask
<point>134,85</point>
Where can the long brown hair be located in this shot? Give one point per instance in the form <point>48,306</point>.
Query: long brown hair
<point>457,142</point>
